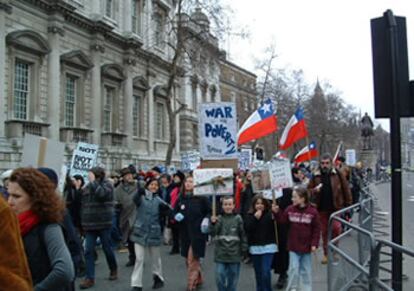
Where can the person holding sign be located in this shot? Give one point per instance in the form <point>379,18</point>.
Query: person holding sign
<point>146,233</point>
<point>190,211</point>
<point>304,234</point>
<point>262,241</point>
<point>230,245</point>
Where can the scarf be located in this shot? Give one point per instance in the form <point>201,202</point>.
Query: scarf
<point>27,220</point>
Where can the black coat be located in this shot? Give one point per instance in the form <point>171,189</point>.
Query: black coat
<point>246,199</point>
<point>194,209</point>
<point>261,231</point>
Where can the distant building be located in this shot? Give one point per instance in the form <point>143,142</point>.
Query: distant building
<point>96,71</point>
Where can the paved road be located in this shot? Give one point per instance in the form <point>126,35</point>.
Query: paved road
<point>175,274</point>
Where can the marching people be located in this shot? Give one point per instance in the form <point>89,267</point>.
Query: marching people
<point>96,215</point>
<point>14,269</point>
<point>147,233</point>
<point>230,245</point>
<point>261,236</point>
<point>178,179</point>
<point>190,211</point>
<point>40,211</point>
<point>330,192</point>
<point>124,195</point>
<point>303,238</point>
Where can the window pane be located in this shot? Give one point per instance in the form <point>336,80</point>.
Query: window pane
<point>108,8</point>
<point>21,89</point>
<point>159,126</point>
<point>136,16</point>
<point>107,116</point>
<point>135,116</point>
<point>70,99</point>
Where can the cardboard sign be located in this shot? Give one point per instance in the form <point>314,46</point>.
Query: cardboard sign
<point>245,159</point>
<point>224,164</point>
<point>204,182</point>
<point>42,152</point>
<point>261,180</point>
<point>84,157</point>
<point>190,160</point>
<point>280,174</point>
<point>218,131</point>
<point>350,156</point>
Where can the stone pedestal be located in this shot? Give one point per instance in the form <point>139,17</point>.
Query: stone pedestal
<point>368,158</point>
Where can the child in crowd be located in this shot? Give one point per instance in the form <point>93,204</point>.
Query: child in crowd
<point>230,245</point>
<point>260,230</point>
<point>190,211</point>
<point>303,237</point>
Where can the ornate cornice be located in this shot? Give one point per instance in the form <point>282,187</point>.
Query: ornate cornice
<point>56,29</point>
<point>5,5</point>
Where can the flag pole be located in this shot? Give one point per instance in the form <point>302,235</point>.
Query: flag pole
<point>309,153</point>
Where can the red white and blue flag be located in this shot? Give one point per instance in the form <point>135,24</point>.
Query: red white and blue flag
<point>294,130</point>
<point>261,123</point>
<point>307,153</point>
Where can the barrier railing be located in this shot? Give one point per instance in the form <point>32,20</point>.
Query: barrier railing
<point>358,269</point>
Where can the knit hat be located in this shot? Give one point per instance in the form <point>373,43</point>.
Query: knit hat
<point>180,175</point>
<point>51,174</point>
<point>149,180</point>
<point>125,171</point>
<point>156,169</point>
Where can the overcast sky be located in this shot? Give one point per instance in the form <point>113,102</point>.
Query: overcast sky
<point>329,39</point>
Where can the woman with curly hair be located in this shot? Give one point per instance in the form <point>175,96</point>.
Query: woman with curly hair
<point>39,210</point>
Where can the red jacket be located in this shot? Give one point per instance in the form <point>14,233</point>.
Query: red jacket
<point>237,194</point>
<point>305,228</point>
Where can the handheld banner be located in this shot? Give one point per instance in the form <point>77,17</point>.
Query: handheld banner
<point>280,174</point>
<point>218,131</point>
<point>245,159</point>
<point>350,156</point>
<point>213,182</point>
<point>84,158</point>
<point>190,160</point>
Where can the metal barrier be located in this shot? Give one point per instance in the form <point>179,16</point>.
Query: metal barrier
<point>357,264</point>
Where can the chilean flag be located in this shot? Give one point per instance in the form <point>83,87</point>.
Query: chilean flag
<point>307,153</point>
<point>294,130</point>
<point>262,122</point>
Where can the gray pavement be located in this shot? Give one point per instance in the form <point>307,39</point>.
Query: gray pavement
<point>175,273</point>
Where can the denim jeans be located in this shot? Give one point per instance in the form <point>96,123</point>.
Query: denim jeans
<point>262,265</point>
<point>105,237</point>
<point>227,276</point>
<point>300,271</point>
<point>116,236</point>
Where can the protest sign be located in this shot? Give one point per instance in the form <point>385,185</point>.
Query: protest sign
<point>350,156</point>
<point>42,152</point>
<point>205,181</point>
<point>84,157</point>
<point>261,180</point>
<point>268,194</point>
<point>280,174</point>
<point>218,131</point>
<point>190,160</point>
<point>245,159</point>
<point>224,164</point>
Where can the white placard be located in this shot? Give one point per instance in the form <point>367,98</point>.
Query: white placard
<point>280,174</point>
<point>245,159</point>
<point>84,157</point>
<point>190,160</point>
<point>218,131</point>
<point>53,152</point>
<point>350,156</point>
<point>203,181</point>
<point>267,194</point>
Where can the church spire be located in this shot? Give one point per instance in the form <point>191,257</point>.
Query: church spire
<point>318,90</point>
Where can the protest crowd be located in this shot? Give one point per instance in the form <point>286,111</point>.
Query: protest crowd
<point>50,238</point>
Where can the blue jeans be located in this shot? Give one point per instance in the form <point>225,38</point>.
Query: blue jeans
<point>300,271</point>
<point>227,276</point>
<point>105,238</point>
<point>262,265</point>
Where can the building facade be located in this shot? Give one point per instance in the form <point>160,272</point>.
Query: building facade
<point>96,71</point>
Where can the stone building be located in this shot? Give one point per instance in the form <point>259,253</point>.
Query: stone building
<point>96,71</point>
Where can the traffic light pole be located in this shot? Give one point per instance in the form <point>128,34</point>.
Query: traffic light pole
<point>396,193</point>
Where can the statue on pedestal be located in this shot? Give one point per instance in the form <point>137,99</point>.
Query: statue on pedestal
<point>367,131</point>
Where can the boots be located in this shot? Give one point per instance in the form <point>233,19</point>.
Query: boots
<point>86,283</point>
<point>281,281</point>
<point>158,283</point>
<point>113,275</point>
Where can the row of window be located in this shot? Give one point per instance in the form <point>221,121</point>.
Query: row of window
<point>22,93</point>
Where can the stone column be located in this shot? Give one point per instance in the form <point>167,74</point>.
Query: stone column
<point>55,31</point>
<point>151,121</point>
<point>96,94</point>
<point>96,12</point>
<point>127,17</point>
<point>128,101</point>
<point>4,8</point>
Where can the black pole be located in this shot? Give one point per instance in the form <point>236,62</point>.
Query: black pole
<point>396,199</point>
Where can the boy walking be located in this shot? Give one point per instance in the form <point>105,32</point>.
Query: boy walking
<point>230,245</point>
